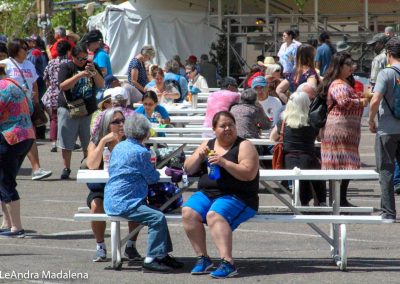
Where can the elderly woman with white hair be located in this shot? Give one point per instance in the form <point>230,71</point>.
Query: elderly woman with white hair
<point>298,145</point>
<point>126,191</point>
<point>137,75</point>
<point>110,133</point>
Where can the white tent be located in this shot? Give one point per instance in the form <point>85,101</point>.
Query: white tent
<point>127,27</point>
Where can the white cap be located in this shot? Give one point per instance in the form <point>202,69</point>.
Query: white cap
<point>117,94</point>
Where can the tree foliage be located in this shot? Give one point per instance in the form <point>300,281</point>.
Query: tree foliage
<point>19,17</point>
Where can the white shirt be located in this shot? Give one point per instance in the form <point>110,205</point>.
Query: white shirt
<point>27,68</point>
<point>199,82</point>
<point>272,107</point>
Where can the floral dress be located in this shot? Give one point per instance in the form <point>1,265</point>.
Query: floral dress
<point>50,98</point>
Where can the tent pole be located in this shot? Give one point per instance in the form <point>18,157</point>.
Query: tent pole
<point>266,13</point>
<point>220,14</point>
<point>228,46</point>
<point>316,15</point>
<point>366,15</point>
<point>240,14</point>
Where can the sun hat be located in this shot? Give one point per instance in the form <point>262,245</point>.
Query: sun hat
<point>267,61</point>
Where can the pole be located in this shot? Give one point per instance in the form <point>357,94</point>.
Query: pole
<point>228,46</point>
<point>366,15</point>
<point>73,20</point>
<point>316,15</point>
<point>266,13</point>
<point>220,14</point>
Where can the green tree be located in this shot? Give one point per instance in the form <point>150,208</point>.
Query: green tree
<point>18,17</point>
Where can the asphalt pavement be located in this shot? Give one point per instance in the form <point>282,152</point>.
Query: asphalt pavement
<point>58,249</point>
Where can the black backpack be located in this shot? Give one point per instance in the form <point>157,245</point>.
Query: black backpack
<point>318,112</point>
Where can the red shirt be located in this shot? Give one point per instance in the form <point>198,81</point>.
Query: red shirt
<point>53,48</point>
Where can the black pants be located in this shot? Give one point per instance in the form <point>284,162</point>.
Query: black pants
<point>11,158</point>
<point>307,161</point>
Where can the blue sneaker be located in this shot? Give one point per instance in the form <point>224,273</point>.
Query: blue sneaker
<point>11,234</point>
<point>203,264</point>
<point>224,270</point>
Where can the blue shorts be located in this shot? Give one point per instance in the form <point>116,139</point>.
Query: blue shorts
<point>232,209</point>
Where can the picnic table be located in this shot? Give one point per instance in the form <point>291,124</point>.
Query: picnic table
<point>338,235</point>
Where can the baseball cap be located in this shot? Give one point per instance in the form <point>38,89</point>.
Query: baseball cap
<point>192,58</point>
<point>92,36</point>
<point>381,37</point>
<point>117,94</point>
<point>258,81</point>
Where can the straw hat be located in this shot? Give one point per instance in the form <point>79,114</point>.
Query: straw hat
<point>267,61</point>
<point>73,35</point>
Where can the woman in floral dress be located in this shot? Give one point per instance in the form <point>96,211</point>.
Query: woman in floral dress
<point>50,98</point>
<point>341,135</point>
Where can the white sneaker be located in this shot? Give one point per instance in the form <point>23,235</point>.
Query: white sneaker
<point>41,174</point>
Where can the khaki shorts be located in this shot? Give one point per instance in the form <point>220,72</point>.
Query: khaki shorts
<point>70,128</point>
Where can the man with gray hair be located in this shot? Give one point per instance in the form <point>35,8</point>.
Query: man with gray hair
<point>127,189</point>
<point>389,31</point>
<point>308,89</point>
<point>60,34</point>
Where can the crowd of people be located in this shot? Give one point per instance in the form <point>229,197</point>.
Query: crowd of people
<point>73,81</point>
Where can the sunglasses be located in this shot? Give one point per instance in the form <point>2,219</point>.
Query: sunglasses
<point>81,59</point>
<point>118,121</point>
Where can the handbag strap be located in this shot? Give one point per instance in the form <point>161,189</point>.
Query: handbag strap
<point>20,72</point>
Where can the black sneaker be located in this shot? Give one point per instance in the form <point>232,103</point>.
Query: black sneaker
<point>156,266</point>
<point>53,149</point>
<point>65,173</point>
<point>77,147</point>
<point>388,217</point>
<point>172,262</point>
<point>132,254</point>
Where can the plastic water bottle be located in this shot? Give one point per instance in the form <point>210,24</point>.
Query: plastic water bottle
<point>153,158</point>
<point>214,171</point>
<point>106,158</point>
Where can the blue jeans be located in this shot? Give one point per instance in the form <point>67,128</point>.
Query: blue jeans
<point>158,239</point>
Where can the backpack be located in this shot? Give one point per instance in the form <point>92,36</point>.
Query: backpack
<point>396,91</point>
<point>318,112</point>
<point>174,83</point>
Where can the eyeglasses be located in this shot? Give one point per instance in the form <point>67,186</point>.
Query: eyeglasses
<point>118,121</point>
<point>81,59</point>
